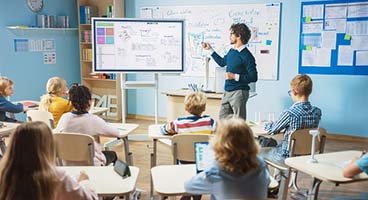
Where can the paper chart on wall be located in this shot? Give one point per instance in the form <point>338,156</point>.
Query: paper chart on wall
<point>211,24</point>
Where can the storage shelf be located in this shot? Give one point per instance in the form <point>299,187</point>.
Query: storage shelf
<point>23,28</point>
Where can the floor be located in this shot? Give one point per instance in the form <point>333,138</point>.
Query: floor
<point>141,157</point>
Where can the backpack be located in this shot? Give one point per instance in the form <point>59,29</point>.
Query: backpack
<point>267,142</point>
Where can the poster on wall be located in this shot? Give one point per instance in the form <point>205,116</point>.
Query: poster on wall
<point>334,37</point>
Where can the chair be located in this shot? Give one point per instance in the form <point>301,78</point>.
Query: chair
<point>74,148</point>
<point>300,143</point>
<point>40,115</point>
<point>183,146</point>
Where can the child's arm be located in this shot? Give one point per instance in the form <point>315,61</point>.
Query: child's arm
<point>168,129</point>
<point>103,128</point>
<point>279,125</point>
<point>8,106</point>
<point>356,166</point>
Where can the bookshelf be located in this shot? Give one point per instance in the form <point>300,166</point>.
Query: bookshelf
<point>98,85</point>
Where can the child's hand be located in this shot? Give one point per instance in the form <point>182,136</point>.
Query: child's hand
<point>83,176</point>
<point>25,108</point>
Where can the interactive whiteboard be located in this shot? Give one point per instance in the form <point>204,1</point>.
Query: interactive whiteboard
<point>211,24</point>
<point>134,45</point>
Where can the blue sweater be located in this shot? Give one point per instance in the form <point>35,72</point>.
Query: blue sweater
<point>242,63</point>
<point>7,106</point>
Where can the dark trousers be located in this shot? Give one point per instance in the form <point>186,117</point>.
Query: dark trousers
<point>110,156</point>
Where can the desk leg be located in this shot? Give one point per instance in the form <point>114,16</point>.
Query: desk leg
<point>153,163</point>
<point>126,149</point>
<point>2,146</point>
<point>313,192</point>
<point>283,187</point>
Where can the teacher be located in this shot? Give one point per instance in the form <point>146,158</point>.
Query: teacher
<point>240,71</point>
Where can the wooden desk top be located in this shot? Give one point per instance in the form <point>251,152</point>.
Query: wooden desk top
<point>124,129</point>
<point>7,129</point>
<point>327,168</point>
<point>184,91</point>
<point>105,180</point>
<point>167,181</point>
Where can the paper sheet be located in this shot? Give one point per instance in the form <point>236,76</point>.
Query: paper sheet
<point>345,55</point>
<point>361,58</point>
<point>329,39</point>
<point>336,11</point>
<point>338,25</point>
<point>359,42</point>
<point>313,27</point>
<point>342,164</point>
<point>313,11</point>
<point>357,28</point>
<point>318,57</point>
<point>358,10</point>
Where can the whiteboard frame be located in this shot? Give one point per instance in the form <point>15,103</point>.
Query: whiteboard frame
<point>101,19</point>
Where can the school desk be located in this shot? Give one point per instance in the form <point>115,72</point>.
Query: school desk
<point>124,131</point>
<point>105,180</point>
<point>5,131</point>
<point>168,180</point>
<point>175,103</point>
<point>328,168</point>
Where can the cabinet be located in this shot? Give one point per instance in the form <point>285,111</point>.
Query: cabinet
<point>108,88</point>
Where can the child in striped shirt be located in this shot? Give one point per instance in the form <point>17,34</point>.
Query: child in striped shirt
<point>195,104</point>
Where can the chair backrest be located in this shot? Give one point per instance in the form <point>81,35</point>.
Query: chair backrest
<point>74,148</point>
<point>40,115</point>
<point>300,142</point>
<point>183,146</point>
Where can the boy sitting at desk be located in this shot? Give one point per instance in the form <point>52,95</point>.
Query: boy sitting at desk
<point>300,115</point>
<point>195,104</point>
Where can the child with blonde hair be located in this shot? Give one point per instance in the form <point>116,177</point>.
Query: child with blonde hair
<point>28,171</point>
<point>236,171</point>
<point>6,90</point>
<point>195,104</point>
<point>53,100</point>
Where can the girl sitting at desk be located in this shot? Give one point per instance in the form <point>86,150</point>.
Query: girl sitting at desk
<point>6,90</point>
<point>28,171</point>
<point>237,172</point>
<point>80,121</point>
<point>53,100</point>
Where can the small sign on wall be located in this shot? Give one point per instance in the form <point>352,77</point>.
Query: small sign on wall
<point>49,58</point>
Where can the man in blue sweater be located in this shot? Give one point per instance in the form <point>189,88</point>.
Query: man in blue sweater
<point>240,71</point>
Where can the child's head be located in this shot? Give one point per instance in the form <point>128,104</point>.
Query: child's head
<point>195,103</point>
<point>234,146</point>
<point>6,86</point>
<point>29,163</point>
<point>301,85</point>
<point>80,96</point>
<point>56,86</point>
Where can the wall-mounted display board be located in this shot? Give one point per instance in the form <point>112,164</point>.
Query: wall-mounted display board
<point>211,23</point>
<point>334,37</point>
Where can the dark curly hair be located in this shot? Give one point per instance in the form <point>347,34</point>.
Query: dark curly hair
<point>242,30</point>
<point>80,97</point>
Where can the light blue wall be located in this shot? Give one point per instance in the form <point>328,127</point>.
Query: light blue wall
<point>343,99</point>
<point>26,69</point>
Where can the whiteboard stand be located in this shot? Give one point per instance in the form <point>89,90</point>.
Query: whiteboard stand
<point>125,85</point>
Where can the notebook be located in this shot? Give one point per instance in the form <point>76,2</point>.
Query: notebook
<point>203,155</point>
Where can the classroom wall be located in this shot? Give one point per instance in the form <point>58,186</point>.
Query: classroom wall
<point>26,69</point>
<point>342,98</point>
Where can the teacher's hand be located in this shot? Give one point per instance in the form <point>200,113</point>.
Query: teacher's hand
<point>206,46</point>
<point>229,76</point>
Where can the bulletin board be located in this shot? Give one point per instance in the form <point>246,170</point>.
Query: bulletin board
<point>211,24</point>
<point>334,37</point>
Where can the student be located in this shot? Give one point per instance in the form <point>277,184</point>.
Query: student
<point>53,100</point>
<point>6,90</point>
<point>237,172</point>
<point>300,115</point>
<point>28,169</point>
<point>80,121</point>
<point>195,104</point>
<point>240,71</point>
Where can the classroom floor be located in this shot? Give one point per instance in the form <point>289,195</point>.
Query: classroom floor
<point>141,157</point>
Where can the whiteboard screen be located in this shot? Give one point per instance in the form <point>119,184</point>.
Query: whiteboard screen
<point>211,24</point>
<point>133,45</point>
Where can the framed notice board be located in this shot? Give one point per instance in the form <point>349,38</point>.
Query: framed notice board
<point>334,37</point>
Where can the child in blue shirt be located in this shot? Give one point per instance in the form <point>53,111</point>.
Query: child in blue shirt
<point>6,90</point>
<point>300,115</point>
